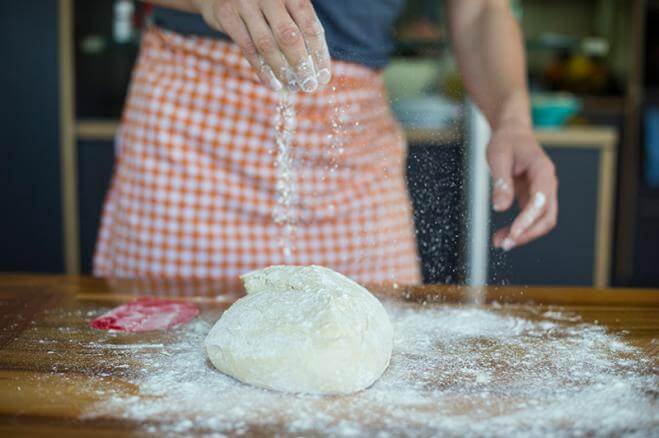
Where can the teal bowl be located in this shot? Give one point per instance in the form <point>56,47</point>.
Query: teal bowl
<point>553,110</point>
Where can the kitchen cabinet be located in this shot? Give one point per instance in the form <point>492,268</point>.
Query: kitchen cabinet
<point>434,178</point>
<point>31,209</point>
<point>95,163</point>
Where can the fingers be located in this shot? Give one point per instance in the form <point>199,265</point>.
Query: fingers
<point>292,44</point>
<point>500,161</point>
<point>270,59</point>
<point>539,212</point>
<point>225,18</point>
<point>314,36</point>
<point>541,227</point>
<point>542,189</point>
<point>533,210</point>
<point>283,40</point>
<point>499,236</point>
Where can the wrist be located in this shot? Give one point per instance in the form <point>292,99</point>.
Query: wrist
<point>513,110</point>
<point>196,5</point>
<point>205,8</point>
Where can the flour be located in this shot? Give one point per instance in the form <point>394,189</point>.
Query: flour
<point>337,132</point>
<point>335,145</point>
<point>285,211</point>
<point>505,371</point>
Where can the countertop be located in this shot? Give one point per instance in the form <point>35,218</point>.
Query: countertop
<point>49,383</point>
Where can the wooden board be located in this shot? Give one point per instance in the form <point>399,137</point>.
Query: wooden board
<point>46,387</point>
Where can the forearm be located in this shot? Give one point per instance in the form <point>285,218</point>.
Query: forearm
<point>488,47</point>
<point>181,5</point>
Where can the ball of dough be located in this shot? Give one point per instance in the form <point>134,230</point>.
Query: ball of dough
<point>303,329</point>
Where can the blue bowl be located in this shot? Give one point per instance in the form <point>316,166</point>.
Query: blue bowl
<point>553,110</point>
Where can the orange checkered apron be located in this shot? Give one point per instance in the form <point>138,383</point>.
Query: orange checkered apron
<point>194,186</point>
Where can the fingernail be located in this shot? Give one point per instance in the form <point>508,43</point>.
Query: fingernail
<point>273,82</point>
<point>502,184</point>
<point>276,85</point>
<point>499,203</point>
<point>291,79</point>
<point>306,75</point>
<point>324,76</point>
<point>507,244</point>
<point>309,84</point>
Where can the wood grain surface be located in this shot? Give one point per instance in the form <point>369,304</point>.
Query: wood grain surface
<point>45,387</point>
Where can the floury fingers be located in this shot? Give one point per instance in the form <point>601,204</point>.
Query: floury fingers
<point>527,219</point>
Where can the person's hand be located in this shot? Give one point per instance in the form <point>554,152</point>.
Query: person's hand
<point>283,40</point>
<point>521,169</point>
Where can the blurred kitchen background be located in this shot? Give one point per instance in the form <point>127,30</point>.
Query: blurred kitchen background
<point>594,78</point>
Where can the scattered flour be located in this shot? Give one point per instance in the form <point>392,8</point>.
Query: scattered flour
<point>337,133</point>
<point>285,211</point>
<point>455,371</point>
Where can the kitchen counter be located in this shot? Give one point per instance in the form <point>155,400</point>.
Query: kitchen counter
<point>571,136</point>
<point>50,377</point>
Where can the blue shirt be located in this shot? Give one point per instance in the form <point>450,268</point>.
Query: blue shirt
<point>357,31</point>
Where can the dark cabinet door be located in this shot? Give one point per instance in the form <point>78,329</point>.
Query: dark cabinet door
<point>646,250</point>
<point>434,177</point>
<point>95,163</point>
<point>30,202</point>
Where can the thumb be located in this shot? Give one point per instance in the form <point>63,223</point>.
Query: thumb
<point>500,160</point>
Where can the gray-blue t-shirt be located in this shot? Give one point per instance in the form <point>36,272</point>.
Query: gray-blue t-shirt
<point>357,31</point>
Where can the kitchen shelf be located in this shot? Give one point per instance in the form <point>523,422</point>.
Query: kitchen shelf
<point>438,136</point>
<point>96,129</point>
<point>585,136</point>
<point>614,105</point>
<point>105,129</point>
<point>603,137</point>
<point>539,44</point>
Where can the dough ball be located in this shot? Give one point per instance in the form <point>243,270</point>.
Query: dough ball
<point>303,329</point>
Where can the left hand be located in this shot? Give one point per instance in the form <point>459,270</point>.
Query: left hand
<point>521,169</point>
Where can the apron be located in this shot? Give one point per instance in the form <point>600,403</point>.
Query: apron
<point>195,182</point>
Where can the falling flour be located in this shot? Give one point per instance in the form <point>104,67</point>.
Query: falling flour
<point>455,371</point>
<point>335,143</point>
<point>337,132</point>
<point>285,210</point>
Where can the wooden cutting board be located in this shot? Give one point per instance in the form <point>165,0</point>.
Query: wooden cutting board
<point>47,381</point>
